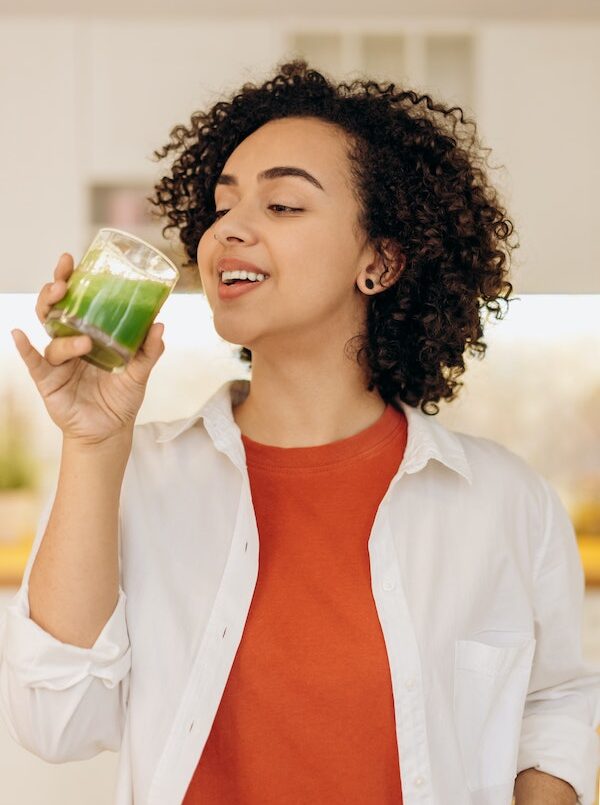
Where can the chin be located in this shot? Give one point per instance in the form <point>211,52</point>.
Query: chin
<point>234,335</point>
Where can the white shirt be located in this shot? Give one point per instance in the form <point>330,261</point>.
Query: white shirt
<point>477,583</point>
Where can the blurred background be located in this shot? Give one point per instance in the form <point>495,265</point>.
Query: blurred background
<point>89,91</point>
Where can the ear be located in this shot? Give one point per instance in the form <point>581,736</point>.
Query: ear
<point>389,263</point>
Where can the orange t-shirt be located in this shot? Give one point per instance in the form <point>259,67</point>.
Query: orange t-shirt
<point>307,714</point>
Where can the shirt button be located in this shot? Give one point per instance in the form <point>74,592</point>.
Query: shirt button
<point>409,682</point>
<point>389,584</point>
<point>419,781</point>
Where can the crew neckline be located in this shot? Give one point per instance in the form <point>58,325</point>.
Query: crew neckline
<point>341,450</point>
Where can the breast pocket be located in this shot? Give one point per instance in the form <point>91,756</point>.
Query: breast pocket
<point>490,688</point>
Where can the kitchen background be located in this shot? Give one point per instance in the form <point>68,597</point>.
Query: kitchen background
<point>89,91</point>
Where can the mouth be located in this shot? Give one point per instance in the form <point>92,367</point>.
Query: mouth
<point>238,287</point>
<point>233,271</point>
<point>240,281</point>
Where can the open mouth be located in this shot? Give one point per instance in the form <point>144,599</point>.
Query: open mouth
<point>242,282</point>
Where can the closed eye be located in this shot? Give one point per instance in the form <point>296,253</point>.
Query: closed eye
<point>219,213</point>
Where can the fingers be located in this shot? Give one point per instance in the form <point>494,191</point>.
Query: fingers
<point>64,267</point>
<point>53,291</point>
<point>31,357</point>
<point>150,351</point>
<point>64,348</point>
<point>58,351</point>
<point>153,345</point>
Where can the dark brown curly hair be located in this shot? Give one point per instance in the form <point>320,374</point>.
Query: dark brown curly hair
<point>420,184</point>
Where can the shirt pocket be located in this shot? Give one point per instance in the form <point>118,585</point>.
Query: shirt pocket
<point>490,688</point>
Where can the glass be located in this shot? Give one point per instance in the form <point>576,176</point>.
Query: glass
<point>113,296</point>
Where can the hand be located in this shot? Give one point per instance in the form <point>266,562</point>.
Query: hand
<point>88,404</point>
<point>534,787</point>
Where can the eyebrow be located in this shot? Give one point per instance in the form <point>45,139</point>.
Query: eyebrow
<point>274,173</point>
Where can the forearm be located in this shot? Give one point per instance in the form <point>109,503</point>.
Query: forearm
<point>533,787</point>
<point>74,580</point>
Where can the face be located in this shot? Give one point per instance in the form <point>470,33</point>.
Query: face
<point>302,233</point>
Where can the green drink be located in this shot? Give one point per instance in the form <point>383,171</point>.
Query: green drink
<point>112,299</point>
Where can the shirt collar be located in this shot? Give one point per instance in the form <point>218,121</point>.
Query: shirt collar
<point>425,438</point>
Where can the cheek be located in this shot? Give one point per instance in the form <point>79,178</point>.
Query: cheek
<point>317,291</point>
<point>204,244</point>
<point>204,254</point>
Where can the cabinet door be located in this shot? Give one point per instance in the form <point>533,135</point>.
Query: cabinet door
<point>538,93</point>
<point>41,203</point>
<point>147,77</point>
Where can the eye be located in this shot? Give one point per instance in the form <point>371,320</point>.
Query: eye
<point>218,213</point>
<point>287,209</point>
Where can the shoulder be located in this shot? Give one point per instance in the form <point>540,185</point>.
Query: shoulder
<point>160,434</point>
<point>155,449</point>
<point>498,469</point>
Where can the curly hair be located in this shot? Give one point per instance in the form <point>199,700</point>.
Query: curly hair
<point>420,184</point>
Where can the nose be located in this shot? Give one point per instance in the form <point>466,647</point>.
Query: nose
<point>235,226</point>
<point>226,238</point>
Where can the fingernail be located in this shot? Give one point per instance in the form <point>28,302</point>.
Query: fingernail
<point>81,342</point>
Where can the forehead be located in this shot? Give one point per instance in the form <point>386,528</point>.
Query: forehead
<point>317,146</point>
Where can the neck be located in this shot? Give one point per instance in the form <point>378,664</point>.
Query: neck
<point>301,406</point>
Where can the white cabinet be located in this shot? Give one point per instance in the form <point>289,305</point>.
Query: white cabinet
<point>86,101</point>
<point>145,77</point>
<point>533,90</point>
<point>539,109</point>
<point>42,196</point>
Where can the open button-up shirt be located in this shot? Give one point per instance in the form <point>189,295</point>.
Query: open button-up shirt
<point>478,587</point>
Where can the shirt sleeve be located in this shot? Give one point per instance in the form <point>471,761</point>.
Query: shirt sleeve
<point>562,710</point>
<point>60,701</point>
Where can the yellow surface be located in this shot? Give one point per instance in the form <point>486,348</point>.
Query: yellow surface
<point>589,550</point>
<point>13,558</point>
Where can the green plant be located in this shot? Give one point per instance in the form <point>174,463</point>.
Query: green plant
<point>18,470</point>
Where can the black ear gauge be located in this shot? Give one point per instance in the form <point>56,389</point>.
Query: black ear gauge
<point>369,283</point>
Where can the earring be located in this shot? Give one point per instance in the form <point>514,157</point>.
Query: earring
<point>369,283</point>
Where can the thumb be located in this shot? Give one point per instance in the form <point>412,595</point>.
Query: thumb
<point>148,354</point>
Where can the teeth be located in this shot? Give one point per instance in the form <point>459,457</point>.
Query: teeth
<point>226,276</point>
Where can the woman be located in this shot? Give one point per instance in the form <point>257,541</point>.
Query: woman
<point>407,630</point>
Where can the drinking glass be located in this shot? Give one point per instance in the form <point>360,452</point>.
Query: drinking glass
<point>113,296</point>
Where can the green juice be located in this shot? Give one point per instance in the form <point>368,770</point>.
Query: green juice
<point>114,311</point>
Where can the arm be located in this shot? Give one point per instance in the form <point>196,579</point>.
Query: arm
<point>74,581</point>
<point>562,709</point>
<point>64,664</point>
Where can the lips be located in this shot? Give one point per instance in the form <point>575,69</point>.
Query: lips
<point>234,264</point>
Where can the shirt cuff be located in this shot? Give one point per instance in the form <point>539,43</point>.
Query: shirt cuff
<point>563,747</point>
<point>37,659</point>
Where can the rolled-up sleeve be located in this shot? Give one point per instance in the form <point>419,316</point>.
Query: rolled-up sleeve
<point>562,711</point>
<point>60,701</point>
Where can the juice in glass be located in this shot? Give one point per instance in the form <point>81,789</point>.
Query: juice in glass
<point>113,296</point>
